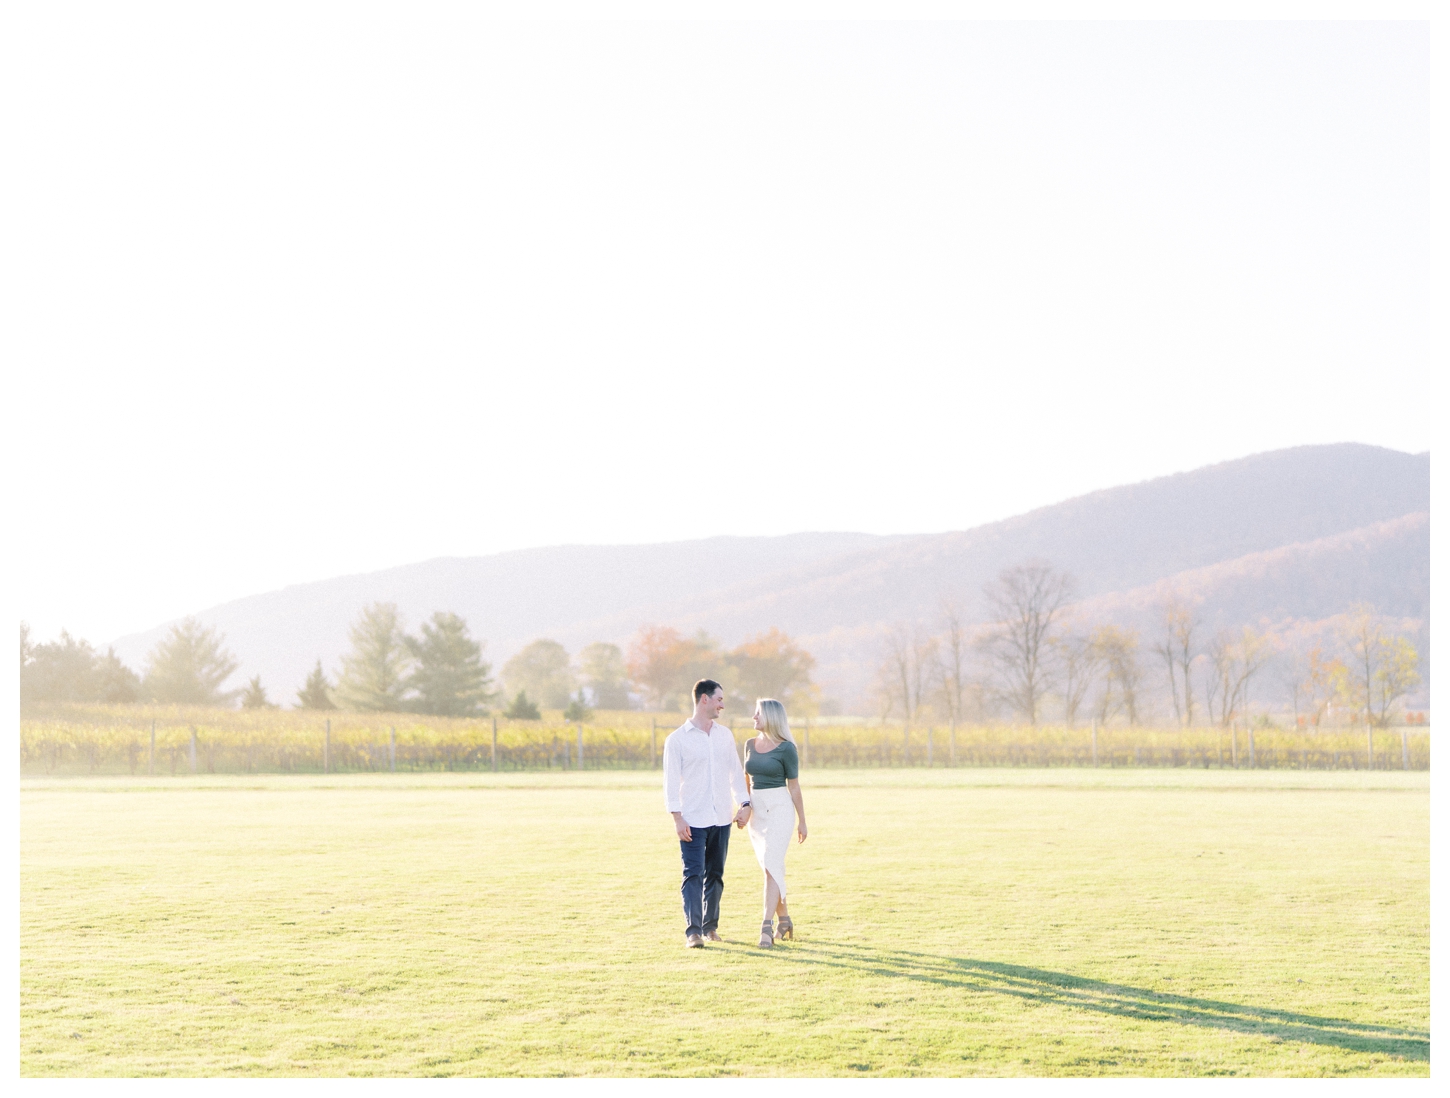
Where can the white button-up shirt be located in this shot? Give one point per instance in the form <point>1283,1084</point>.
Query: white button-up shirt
<point>704,780</point>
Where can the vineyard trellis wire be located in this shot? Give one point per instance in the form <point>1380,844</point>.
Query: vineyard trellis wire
<point>167,740</point>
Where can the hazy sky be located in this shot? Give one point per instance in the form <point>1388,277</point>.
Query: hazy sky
<point>299,301</point>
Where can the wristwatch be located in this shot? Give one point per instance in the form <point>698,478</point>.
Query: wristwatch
<point>744,804</point>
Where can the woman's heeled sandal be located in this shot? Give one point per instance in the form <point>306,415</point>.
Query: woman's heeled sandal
<point>767,935</point>
<point>786,930</point>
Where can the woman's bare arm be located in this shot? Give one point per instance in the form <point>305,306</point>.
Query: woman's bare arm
<point>794,785</point>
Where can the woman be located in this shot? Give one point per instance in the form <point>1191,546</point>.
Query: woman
<point>772,771</point>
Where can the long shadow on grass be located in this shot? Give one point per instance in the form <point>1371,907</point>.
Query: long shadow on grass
<point>1060,989</point>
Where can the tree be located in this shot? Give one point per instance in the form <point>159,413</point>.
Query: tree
<point>904,676</point>
<point>541,668</point>
<point>578,709</point>
<point>1381,667</point>
<point>1117,654</point>
<point>1233,662</point>
<point>771,665</point>
<point>951,668</point>
<point>1397,674</point>
<point>316,692</point>
<point>521,709</point>
<point>1317,685</point>
<point>189,666</point>
<point>115,682</point>
<point>375,668</point>
<point>664,665</point>
<point>602,670</point>
<point>1025,602</point>
<point>70,670</point>
<point>1176,650</point>
<point>63,670</point>
<point>450,675</point>
<point>255,697</point>
<point>1078,662</point>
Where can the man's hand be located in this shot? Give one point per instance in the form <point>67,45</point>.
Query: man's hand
<point>682,829</point>
<point>742,815</point>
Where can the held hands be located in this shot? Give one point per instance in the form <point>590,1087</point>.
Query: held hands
<point>742,815</point>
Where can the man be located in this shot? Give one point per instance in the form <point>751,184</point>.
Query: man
<point>704,781</point>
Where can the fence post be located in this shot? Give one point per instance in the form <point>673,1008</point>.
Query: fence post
<point>327,747</point>
<point>151,758</point>
<point>1095,741</point>
<point>1405,747</point>
<point>1368,741</point>
<point>806,745</point>
<point>493,747</point>
<point>392,749</point>
<point>952,742</point>
<point>654,754</point>
<point>1233,743</point>
<point>1250,729</point>
<point>193,749</point>
<point>906,745</point>
<point>928,745</point>
<point>580,728</point>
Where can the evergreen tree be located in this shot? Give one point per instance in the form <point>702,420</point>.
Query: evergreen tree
<point>521,709</point>
<point>450,677</point>
<point>115,682</point>
<point>373,671</point>
<point>315,691</point>
<point>255,697</point>
<point>578,709</point>
<point>189,666</point>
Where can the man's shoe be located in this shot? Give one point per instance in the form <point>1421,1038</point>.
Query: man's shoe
<point>714,936</point>
<point>693,941</point>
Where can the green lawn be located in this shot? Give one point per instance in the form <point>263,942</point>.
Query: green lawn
<point>1000,922</point>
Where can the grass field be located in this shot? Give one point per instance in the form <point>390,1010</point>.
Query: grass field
<point>991,922</point>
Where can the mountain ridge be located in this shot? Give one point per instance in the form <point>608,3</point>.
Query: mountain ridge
<point>838,592</point>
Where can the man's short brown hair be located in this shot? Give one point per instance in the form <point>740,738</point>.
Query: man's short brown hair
<point>705,687</point>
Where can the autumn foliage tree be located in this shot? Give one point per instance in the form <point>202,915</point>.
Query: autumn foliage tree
<point>1381,669</point>
<point>664,664</point>
<point>771,665</point>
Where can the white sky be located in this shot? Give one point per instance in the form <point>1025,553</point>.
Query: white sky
<point>299,300</point>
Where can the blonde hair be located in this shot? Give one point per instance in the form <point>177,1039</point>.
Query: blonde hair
<point>772,715</point>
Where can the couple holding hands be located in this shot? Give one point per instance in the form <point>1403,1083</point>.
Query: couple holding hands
<point>706,789</point>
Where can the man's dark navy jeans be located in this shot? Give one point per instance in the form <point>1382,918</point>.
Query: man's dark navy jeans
<point>704,858</point>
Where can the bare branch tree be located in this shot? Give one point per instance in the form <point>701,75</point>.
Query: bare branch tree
<point>952,661</point>
<point>904,676</point>
<point>1234,662</point>
<point>1025,603</point>
<point>1363,636</point>
<point>1176,651</point>
<point>1078,661</point>
<point>1117,654</point>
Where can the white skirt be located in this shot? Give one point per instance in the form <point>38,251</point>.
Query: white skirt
<point>772,822</point>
